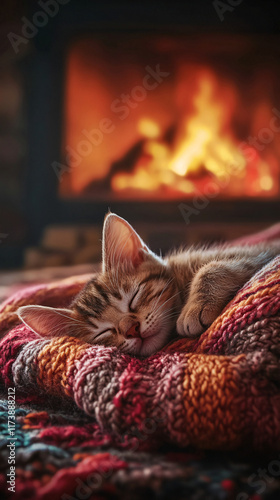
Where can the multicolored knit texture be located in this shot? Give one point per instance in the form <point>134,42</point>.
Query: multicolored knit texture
<point>61,454</point>
<point>218,392</point>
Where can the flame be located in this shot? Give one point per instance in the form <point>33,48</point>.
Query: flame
<point>170,145</point>
<point>149,128</point>
<point>203,146</point>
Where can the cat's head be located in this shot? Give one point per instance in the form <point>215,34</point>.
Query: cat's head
<point>132,303</point>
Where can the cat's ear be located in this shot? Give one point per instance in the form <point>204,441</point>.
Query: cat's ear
<point>47,321</point>
<point>121,244</point>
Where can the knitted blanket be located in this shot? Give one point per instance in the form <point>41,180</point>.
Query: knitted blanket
<point>220,391</point>
<point>92,423</point>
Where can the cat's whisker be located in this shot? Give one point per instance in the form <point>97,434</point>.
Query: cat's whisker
<point>165,320</point>
<point>167,316</point>
<point>158,299</point>
<point>170,298</point>
<point>164,316</point>
<point>170,310</point>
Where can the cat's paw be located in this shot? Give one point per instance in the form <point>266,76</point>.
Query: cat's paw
<point>195,319</point>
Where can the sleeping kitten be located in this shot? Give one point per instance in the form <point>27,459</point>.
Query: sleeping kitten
<point>138,300</point>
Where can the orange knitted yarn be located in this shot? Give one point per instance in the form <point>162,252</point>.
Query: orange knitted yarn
<point>213,393</point>
<point>54,360</point>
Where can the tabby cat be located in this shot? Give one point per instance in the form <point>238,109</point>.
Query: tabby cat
<point>139,300</point>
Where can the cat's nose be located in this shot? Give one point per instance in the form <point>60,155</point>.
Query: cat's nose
<point>134,331</point>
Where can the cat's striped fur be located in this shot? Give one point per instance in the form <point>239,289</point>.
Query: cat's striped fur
<point>138,299</point>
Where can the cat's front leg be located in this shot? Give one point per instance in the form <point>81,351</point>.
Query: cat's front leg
<point>211,289</point>
<point>196,316</point>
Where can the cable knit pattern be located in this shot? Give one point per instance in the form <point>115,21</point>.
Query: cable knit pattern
<point>220,391</point>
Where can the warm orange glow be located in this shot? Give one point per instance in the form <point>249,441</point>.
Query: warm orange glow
<point>171,144</point>
<point>203,144</point>
<point>148,128</point>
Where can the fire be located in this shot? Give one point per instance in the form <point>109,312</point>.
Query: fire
<point>202,147</point>
<point>148,128</point>
<point>193,130</point>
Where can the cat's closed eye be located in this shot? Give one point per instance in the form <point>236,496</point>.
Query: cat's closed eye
<point>105,333</point>
<point>133,302</point>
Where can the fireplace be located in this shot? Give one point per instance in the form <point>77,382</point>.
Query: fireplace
<point>168,117</point>
<point>155,112</point>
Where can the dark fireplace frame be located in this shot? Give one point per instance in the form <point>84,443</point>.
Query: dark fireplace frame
<point>45,70</point>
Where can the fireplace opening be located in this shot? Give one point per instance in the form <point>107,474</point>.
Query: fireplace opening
<point>168,117</point>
